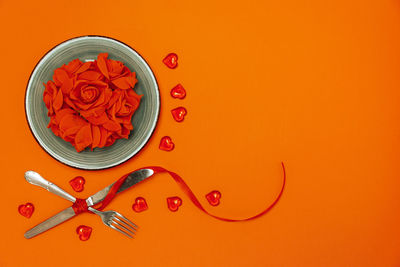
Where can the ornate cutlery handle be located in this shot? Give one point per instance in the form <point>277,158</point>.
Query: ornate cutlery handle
<point>35,179</point>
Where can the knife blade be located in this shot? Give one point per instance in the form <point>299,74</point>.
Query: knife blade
<point>53,221</point>
<point>132,179</point>
<point>68,213</point>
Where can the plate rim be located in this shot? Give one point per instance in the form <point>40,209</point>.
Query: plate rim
<point>71,163</point>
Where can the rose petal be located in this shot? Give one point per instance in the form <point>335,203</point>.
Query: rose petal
<point>114,98</point>
<point>124,109</point>
<point>101,64</point>
<point>56,81</point>
<point>62,79</point>
<point>131,79</point>
<point>58,102</point>
<point>125,132</point>
<point>70,132</point>
<point>133,94</point>
<point>50,89</point>
<point>96,135</point>
<point>69,102</point>
<point>61,76</point>
<point>71,120</point>
<point>122,82</point>
<point>96,116</point>
<point>125,71</point>
<point>67,85</point>
<point>107,95</point>
<point>133,100</point>
<point>98,83</point>
<point>84,67</point>
<point>48,101</point>
<point>115,135</point>
<point>83,138</point>
<point>118,104</point>
<point>111,112</point>
<point>112,126</point>
<point>104,98</point>
<point>83,106</point>
<point>104,135</point>
<point>94,112</point>
<point>90,75</point>
<point>115,67</point>
<point>100,99</point>
<point>110,140</point>
<point>55,129</point>
<point>73,66</point>
<point>47,96</point>
<point>98,120</point>
<point>52,86</point>
<point>128,126</point>
<point>61,113</point>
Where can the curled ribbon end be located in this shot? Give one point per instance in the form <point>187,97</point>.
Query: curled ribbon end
<point>197,203</point>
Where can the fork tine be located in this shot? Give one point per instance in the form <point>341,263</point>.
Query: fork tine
<point>120,215</point>
<point>123,228</point>
<point>119,230</point>
<point>125,223</point>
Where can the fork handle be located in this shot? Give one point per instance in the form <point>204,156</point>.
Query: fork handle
<point>35,179</point>
<point>94,210</point>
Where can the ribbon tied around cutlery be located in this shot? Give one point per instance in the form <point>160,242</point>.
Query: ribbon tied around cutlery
<point>80,204</point>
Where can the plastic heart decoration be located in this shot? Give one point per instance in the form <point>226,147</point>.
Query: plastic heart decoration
<point>26,210</point>
<point>166,144</point>
<point>174,203</point>
<point>178,92</point>
<point>213,197</point>
<point>77,183</point>
<point>179,114</point>
<point>171,60</point>
<point>140,205</point>
<point>84,232</point>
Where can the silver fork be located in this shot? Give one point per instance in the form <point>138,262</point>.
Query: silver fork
<point>110,218</point>
<point>113,219</point>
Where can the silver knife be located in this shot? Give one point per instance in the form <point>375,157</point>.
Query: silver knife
<point>34,178</point>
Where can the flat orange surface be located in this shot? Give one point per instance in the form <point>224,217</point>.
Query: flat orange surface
<point>314,84</point>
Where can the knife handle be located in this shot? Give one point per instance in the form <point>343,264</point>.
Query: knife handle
<point>35,179</point>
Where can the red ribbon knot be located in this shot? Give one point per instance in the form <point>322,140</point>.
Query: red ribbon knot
<point>80,206</point>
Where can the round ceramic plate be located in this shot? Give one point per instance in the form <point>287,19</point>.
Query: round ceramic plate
<point>144,120</point>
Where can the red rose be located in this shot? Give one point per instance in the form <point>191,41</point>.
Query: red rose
<point>91,103</point>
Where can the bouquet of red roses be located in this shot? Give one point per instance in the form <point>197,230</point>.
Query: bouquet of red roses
<point>91,104</point>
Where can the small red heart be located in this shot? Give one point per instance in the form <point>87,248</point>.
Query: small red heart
<point>213,197</point>
<point>179,114</point>
<point>77,183</point>
<point>178,92</point>
<point>171,60</point>
<point>166,144</point>
<point>174,203</point>
<point>140,205</point>
<point>84,232</point>
<point>26,209</point>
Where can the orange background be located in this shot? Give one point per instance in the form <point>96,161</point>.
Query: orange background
<point>314,84</point>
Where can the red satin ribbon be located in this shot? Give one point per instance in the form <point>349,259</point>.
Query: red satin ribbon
<point>80,205</point>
